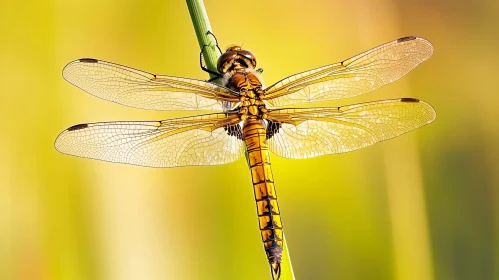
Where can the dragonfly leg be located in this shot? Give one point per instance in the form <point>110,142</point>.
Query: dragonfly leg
<point>216,41</point>
<point>218,75</point>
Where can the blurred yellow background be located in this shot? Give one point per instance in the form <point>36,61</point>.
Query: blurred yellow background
<point>422,206</point>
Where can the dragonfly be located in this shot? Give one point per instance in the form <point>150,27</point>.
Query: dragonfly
<point>250,118</point>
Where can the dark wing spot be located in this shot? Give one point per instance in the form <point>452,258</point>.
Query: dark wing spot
<point>407,99</point>
<point>88,60</point>
<point>78,127</point>
<point>405,39</point>
<point>272,128</point>
<point>235,130</point>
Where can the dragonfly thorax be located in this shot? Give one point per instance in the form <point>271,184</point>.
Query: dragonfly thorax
<point>250,89</point>
<point>238,66</point>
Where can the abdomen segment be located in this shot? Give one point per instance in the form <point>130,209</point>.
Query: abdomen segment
<point>265,195</point>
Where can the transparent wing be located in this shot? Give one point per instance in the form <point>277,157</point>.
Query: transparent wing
<point>202,140</point>
<point>355,76</point>
<point>139,89</point>
<point>305,133</point>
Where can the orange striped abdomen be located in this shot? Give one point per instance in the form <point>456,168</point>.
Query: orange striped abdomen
<point>263,183</point>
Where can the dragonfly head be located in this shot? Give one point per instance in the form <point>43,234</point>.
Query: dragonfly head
<point>235,58</point>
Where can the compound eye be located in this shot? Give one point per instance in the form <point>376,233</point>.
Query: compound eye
<point>224,58</point>
<point>246,54</point>
<point>249,55</point>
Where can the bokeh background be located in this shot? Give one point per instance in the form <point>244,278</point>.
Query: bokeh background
<point>422,206</point>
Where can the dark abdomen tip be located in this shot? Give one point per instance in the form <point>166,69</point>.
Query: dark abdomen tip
<point>405,39</point>
<point>88,60</point>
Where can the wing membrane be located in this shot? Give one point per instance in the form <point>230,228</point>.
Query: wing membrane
<point>139,89</point>
<point>355,76</point>
<point>202,140</point>
<point>305,133</point>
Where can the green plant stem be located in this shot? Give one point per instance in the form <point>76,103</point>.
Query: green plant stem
<point>202,25</point>
<point>211,53</point>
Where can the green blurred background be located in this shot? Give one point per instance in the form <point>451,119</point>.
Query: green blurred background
<point>422,206</point>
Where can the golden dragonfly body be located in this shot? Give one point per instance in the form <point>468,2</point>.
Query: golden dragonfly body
<point>249,118</point>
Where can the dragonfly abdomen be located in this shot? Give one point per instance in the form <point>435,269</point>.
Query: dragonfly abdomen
<point>265,195</point>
